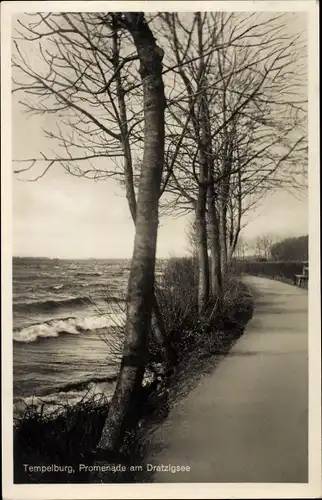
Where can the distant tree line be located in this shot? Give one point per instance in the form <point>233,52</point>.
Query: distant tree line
<point>291,249</point>
<point>269,247</point>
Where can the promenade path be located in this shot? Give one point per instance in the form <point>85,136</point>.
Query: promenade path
<point>247,421</point>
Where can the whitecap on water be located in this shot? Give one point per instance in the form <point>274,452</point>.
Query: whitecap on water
<point>72,325</point>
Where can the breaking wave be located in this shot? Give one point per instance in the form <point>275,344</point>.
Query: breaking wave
<point>51,304</point>
<point>70,325</point>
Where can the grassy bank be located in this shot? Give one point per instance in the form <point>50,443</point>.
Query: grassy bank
<point>61,437</point>
<point>67,437</point>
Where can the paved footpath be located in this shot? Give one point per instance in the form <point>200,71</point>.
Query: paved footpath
<point>247,421</point>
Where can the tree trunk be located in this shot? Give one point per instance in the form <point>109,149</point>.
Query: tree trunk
<point>157,320</point>
<point>215,248</point>
<point>141,279</point>
<point>233,248</point>
<point>206,180</point>
<point>224,197</point>
<point>202,251</point>
<point>201,129</point>
<point>223,234</point>
<point>235,232</point>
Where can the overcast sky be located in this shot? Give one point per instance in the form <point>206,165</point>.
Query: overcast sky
<point>62,216</point>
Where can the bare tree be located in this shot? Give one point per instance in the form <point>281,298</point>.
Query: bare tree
<point>253,117</point>
<point>99,107</point>
<point>87,81</point>
<point>141,281</point>
<point>263,147</point>
<point>194,155</point>
<point>263,245</point>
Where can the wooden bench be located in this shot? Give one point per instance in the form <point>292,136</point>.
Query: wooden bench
<point>301,280</point>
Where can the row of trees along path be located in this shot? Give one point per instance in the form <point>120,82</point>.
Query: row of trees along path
<point>197,113</point>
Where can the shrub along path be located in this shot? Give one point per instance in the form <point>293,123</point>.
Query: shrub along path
<point>247,421</point>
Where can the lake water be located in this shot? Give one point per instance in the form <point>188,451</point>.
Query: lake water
<point>64,336</point>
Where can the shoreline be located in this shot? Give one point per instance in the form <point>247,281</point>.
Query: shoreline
<point>89,415</point>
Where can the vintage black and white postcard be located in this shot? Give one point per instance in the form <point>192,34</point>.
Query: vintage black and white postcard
<point>161,326</point>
